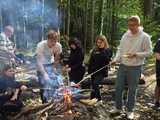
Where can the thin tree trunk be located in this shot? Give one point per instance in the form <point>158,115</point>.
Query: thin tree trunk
<point>92,21</point>
<point>85,29</point>
<point>148,5</point>
<point>68,17</point>
<point>101,17</point>
<point>113,28</point>
<point>108,19</point>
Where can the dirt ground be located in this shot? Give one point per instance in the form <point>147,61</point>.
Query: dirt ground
<point>144,109</point>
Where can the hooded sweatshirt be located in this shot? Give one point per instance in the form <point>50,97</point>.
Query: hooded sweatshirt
<point>139,43</point>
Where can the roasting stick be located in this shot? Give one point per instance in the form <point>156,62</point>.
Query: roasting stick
<point>89,75</point>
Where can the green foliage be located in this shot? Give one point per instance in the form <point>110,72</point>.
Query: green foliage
<point>153,28</point>
<point>114,14</point>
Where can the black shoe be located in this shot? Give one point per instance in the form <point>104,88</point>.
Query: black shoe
<point>157,106</point>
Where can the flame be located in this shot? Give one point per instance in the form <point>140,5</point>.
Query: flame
<point>67,100</point>
<point>67,97</point>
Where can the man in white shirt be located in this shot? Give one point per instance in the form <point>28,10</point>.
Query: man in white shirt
<point>47,53</point>
<point>5,42</point>
<point>134,47</point>
<point>7,47</point>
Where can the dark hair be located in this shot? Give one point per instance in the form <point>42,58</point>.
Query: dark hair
<point>75,41</point>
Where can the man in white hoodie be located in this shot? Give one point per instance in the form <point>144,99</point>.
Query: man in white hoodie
<point>134,47</point>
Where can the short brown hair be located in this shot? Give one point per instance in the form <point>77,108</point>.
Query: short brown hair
<point>52,34</point>
<point>134,18</point>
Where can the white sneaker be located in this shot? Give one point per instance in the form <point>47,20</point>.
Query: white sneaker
<point>115,111</point>
<point>130,115</point>
<point>99,103</point>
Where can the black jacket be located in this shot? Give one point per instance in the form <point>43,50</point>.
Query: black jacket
<point>76,59</point>
<point>98,59</point>
<point>76,63</point>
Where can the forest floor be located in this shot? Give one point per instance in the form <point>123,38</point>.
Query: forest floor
<point>144,109</point>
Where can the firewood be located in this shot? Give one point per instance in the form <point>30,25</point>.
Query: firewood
<point>31,109</point>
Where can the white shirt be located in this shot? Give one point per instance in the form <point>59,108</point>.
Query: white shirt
<point>5,43</point>
<point>47,54</point>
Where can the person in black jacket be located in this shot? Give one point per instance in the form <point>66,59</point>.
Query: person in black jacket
<point>100,56</point>
<point>75,63</point>
<point>157,89</point>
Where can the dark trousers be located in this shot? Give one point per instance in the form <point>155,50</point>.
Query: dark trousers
<point>95,82</point>
<point>40,79</point>
<point>77,75</point>
<point>7,106</point>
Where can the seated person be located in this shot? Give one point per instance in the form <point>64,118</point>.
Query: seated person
<point>8,47</point>
<point>10,91</point>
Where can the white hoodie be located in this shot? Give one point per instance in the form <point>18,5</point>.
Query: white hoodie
<point>139,43</point>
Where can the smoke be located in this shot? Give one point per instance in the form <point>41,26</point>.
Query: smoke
<point>28,17</point>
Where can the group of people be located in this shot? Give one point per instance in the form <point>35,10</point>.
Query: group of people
<point>135,46</point>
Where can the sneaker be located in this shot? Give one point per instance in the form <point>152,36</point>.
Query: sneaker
<point>130,115</point>
<point>115,111</point>
<point>100,102</point>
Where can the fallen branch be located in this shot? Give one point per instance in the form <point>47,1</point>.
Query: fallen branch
<point>31,109</point>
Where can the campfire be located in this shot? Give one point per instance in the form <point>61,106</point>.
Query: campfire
<point>64,100</point>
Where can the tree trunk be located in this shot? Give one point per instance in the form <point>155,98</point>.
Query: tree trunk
<point>148,5</point>
<point>68,17</point>
<point>101,17</point>
<point>108,19</point>
<point>92,21</point>
<point>85,25</point>
<point>113,28</point>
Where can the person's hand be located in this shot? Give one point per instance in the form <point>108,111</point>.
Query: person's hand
<point>131,55</point>
<point>68,69</point>
<point>46,77</point>
<point>113,62</point>
<point>67,66</point>
<point>77,85</point>
<point>23,87</point>
<point>14,97</point>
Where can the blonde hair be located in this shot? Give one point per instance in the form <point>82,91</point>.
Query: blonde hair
<point>104,39</point>
<point>135,18</point>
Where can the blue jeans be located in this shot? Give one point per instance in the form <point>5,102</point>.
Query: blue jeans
<point>129,75</point>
